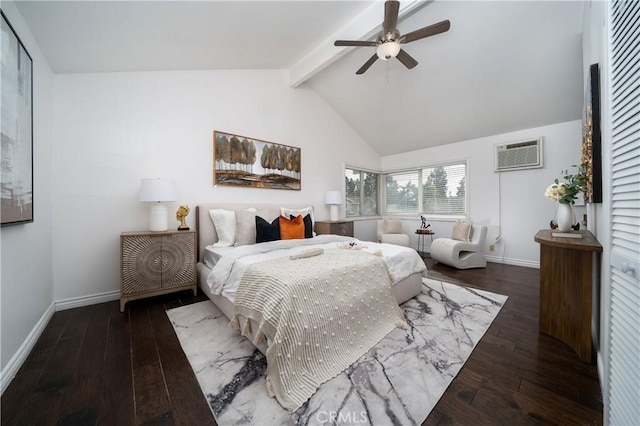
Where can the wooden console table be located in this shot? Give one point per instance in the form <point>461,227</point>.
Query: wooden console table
<point>566,277</point>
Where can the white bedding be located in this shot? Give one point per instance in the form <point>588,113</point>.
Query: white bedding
<point>225,276</point>
<point>213,254</point>
<point>319,316</point>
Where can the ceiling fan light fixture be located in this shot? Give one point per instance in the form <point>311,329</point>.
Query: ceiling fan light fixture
<point>389,49</point>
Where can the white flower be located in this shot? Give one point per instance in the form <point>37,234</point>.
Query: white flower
<point>555,191</point>
<point>567,192</point>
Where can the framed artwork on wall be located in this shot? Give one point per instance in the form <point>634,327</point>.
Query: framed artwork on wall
<point>591,138</point>
<point>16,130</point>
<point>253,163</point>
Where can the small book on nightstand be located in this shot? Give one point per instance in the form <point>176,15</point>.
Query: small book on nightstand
<point>566,235</point>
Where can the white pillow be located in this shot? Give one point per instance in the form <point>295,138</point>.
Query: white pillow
<point>392,226</point>
<point>462,230</point>
<point>303,212</point>
<point>225,223</point>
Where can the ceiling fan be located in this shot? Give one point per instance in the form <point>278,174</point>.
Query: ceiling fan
<point>388,42</point>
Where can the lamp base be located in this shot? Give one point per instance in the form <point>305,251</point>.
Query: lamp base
<point>158,218</point>
<point>334,213</point>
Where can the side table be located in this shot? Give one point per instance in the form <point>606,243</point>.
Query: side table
<point>154,263</point>
<point>421,233</point>
<point>336,227</point>
<point>566,287</point>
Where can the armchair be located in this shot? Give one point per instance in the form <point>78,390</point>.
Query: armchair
<point>461,254</point>
<point>390,231</point>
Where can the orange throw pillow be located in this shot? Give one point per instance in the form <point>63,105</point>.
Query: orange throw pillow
<point>291,229</point>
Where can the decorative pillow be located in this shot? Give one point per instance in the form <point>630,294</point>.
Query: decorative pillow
<point>245,228</point>
<point>291,229</point>
<point>225,223</point>
<point>266,231</point>
<point>308,225</point>
<point>392,226</point>
<point>303,212</point>
<point>462,230</point>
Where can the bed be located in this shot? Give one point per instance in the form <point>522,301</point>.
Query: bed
<point>404,265</point>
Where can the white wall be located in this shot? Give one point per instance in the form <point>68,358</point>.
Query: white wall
<point>26,292</point>
<point>524,209</point>
<point>113,129</point>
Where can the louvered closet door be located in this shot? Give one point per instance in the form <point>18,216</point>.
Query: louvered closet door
<point>624,361</point>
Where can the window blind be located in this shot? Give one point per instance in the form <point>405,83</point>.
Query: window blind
<point>624,320</point>
<point>444,190</point>
<point>402,192</point>
<point>369,206</point>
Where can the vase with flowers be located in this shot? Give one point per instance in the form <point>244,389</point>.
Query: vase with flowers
<point>565,194</point>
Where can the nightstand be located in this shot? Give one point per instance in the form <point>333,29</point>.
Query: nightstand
<point>153,263</point>
<point>423,232</point>
<point>336,227</point>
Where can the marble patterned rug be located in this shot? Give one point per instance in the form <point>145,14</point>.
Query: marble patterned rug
<point>398,382</point>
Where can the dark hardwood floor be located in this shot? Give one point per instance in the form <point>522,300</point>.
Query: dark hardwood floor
<point>95,365</point>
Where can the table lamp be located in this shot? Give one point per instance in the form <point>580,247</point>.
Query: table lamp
<point>334,199</point>
<point>157,191</point>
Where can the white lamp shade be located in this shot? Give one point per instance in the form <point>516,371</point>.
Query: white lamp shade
<point>333,197</point>
<point>158,190</point>
<point>387,50</point>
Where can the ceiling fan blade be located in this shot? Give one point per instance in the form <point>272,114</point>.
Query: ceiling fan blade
<point>390,16</point>
<point>434,29</point>
<point>406,59</point>
<point>354,43</point>
<point>367,64</point>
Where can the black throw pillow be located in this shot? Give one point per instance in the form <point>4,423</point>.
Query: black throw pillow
<point>308,225</point>
<point>266,231</point>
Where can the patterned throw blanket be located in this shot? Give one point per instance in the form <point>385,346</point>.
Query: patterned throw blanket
<point>320,315</point>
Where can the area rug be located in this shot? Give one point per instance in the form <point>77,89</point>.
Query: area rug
<point>398,381</point>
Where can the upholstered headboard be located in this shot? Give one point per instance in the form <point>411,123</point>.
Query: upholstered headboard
<point>207,232</point>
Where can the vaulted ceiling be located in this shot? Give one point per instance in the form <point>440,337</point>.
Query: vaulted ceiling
<point>503,66</point>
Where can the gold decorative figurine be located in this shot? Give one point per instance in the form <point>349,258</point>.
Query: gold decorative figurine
<point>181,214</point>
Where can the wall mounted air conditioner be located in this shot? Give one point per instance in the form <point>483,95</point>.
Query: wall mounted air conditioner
<point>526,154</point>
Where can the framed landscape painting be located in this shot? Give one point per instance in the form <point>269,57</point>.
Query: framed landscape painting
<point>16,130</point>
<point>243,161</point>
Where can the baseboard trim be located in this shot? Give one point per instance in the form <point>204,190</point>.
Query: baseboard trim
<point>16,361</point>
<point>514,262</point>
<point>93,299</point>
<point>506,261</point>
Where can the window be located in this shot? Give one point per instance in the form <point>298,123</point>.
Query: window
<point>402,192</point>
<point>361,189</point>
<point>436,190</point>
<point>444,190</point>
